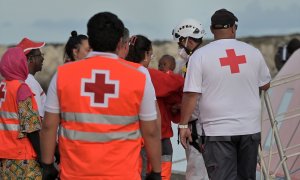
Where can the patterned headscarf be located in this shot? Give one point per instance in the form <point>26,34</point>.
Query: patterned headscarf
<point>13,64</point>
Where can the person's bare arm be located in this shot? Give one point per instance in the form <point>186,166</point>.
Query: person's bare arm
<point>151,134</point>
<point>158,118</point>
<point>48,136</point>
<point>189,101</point>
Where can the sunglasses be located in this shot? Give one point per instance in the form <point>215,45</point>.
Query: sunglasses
<point>37,55</point>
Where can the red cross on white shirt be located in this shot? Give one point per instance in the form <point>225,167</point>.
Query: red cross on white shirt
<point>233,61</point>
<point>100,88</point>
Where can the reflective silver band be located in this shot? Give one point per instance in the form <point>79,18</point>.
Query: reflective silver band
<point>99,119</point>
<point>98,137</point>
<point>9,115</point>
<point>166,158</point>
<point>9,127</point>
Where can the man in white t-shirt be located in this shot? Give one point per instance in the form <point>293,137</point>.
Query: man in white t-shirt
<point>227,75</point>
<point>35,60</point>
<point>188,34</point>
<point>101,112</point>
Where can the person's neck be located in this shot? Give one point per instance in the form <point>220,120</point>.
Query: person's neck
<point>31,72</point>
<point>218,37</point>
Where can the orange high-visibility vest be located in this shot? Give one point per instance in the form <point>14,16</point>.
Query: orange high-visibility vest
<point>99,134</point>
<point>11,147</point>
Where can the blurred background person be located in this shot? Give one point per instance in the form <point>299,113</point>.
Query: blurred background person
<point>284,52</point>
<point>77,47</point>
<point>19,120</point>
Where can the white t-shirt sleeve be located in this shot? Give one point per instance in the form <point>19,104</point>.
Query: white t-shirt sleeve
<point>52,103</point>
<point>264,73</point>
<point>148,104</point>
<point>38,93</point>
<point>193,78</point>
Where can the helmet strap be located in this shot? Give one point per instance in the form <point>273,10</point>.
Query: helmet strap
<point>193,50</point>
<point>185,47</point>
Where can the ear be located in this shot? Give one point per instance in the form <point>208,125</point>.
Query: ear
<point>29,60</point>
<point>120,44</point>
<point>233,29</point>
<point>75,51</point>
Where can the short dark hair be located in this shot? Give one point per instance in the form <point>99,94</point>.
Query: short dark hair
<point>104,31</point>
<point>73,43</point>
<point>138,45</point>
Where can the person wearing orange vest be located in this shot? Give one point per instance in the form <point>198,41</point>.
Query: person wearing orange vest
<point>102,112</point>
<point>19,120</point>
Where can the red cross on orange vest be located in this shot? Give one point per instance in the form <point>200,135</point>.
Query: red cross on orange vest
<point>100,88</point>
<point>2,92</point>
<point>232,60</point>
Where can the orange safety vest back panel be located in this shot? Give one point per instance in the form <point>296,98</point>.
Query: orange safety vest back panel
<point>99,134</point>
<point>11,146</point>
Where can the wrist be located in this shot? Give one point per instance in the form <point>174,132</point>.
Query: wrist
<point>183,126</point>
<point>46,166</point>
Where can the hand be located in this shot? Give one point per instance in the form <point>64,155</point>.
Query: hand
<point>49,171</point>
<point>153,176</point>
<point>57,155</point>
<point>185,135</point>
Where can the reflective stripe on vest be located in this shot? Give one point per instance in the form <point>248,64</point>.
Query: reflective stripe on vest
<point>98,137</point>
<point>166,158</point>
<point>9,127</point>
<point>99,119</point>
<point>9,115</point>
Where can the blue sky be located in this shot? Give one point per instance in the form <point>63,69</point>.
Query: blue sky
<point>52,21</point>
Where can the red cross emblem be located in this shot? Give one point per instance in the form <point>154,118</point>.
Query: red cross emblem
<point>2,92</point>
<point>232,60</point>
<point>100,88</point>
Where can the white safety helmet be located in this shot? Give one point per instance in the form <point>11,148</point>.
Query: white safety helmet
<point>188,28</point>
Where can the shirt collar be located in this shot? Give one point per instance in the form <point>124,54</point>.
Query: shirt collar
<point>104,54</point>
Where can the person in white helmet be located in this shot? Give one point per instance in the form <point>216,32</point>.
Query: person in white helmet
<point>188,34</point>
<point>223,80</point>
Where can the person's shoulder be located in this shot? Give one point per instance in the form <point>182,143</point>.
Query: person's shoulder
<point>205,49</point>
<point>135,65</point>
<point>32,82</point>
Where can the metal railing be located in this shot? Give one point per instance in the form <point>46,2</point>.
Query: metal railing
<point>281,152</point>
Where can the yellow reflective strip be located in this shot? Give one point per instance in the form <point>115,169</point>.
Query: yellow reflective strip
<point>9,127</point>
<point>166,158</point>
<point>8,115</point>
<point>98,137</point>
<point>99,119</point>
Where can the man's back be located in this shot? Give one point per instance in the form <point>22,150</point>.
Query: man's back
<point>232,72</point>
<point>100,123</point>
